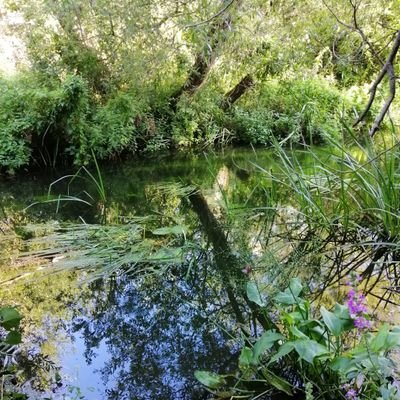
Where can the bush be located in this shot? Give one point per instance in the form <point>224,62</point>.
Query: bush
<point>324,355</point>
<point>46,120</point>
<point>198,120</point>
<point>35,117</point>
<point>297,110</point>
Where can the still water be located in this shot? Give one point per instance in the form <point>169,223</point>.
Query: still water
<point>103,319</point>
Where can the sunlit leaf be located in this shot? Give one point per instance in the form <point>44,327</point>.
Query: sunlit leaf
<point>308,349</point>
<point>264,343</point>
<point>170,230</point>
<point>290,295</point>
<point>333,323</point>
<point>209,379</point>
<point>253,293</point>
<point>246,357</point>
<point>9,318</point>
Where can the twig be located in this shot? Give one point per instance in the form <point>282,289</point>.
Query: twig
<point>212,17</point>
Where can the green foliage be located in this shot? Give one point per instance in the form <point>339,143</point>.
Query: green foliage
<point>294,110</point>
<point>10,320</point>
<point>48,121</point>
<point>199,121</point>
<point>326,357</point>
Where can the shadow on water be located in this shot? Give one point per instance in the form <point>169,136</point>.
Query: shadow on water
<point>127,336</point>
<point>152,318</point>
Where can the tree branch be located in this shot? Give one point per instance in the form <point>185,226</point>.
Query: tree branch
<point>220,12</point>
<point>388,70</point>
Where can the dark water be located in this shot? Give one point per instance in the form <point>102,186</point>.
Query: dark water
<point>131,334</point>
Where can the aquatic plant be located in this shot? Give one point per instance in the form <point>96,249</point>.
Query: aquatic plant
<point>344,203</point>
<point>319,353</point>
<point>10,338</point>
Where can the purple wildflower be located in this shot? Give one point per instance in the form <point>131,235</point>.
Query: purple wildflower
<point>357,307</point>
<point>351,394</point>
<point>356,303</point>
<point>362,323</point>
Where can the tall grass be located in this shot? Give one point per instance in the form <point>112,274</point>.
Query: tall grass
<point>347,204</point>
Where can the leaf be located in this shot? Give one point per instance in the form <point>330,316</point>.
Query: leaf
<point>290,295</point>
<point>296,332</point>
<point>209,379</point>
<point>343,364</point>
<point>341,311</point>
<point>264,343</point>
<point>285,349</point>
<point>295,286</point>
<point>9,318</point>
<point>393,339</point>
<point>170,230</point>
<point>293,317</point>
<point>172,255</point>
<point>278,382</point>
<point>309,349</point>
<point>13,337</point>
<point>333,323</point>
<point>253,294</point>
<point>379,340</point>
<point>246,357</point>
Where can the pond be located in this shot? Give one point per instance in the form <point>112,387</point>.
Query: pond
<point>122,336</point>
<point>124,276</point>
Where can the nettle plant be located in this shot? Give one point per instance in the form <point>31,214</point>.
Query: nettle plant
<point>336,354</point>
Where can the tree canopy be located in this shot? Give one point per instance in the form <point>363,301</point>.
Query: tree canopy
<point>144,75</point>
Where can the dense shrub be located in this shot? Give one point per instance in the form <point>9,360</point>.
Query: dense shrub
<point>46,122</point>
<point>198,120</point>
<point>299,110</point>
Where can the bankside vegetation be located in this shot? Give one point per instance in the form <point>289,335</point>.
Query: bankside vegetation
<point>151,76</point>
<point>250,274</point>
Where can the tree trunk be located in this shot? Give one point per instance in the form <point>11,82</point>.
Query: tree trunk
<point>205,58</point>
<point>237,92</point>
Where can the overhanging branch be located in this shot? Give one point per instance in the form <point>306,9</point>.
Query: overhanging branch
<point>387,69</point>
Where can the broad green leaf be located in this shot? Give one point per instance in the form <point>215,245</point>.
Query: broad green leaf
<point>285,349</point>
<point>341,311</point>
<point>379,341</point>
<point>172,255</point>
<point>209,379</point>
<point>308,349</point>
<point>393,339</point>
<point>246,357</point>
<point>253,293</point>
<point>296,332</point>
<point>333,323</point>
<point>9,318</point>
<point>290,295</point>
<point>343,364</point>
<point>264,343</point>
<point>293,317</point>
<point>295,286</point>
<point>13,337</point>
<point>278,382</point>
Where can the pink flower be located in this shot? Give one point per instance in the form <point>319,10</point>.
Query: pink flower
<point>247,269</point>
